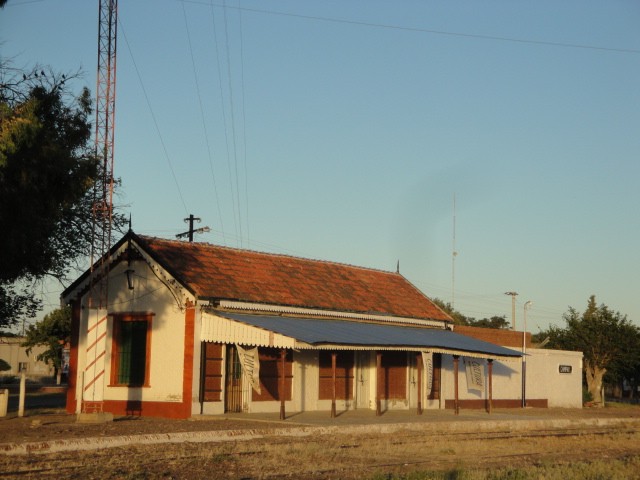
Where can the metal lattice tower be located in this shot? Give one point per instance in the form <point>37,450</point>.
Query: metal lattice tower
<point>93,375</point>
<point>104,136</point>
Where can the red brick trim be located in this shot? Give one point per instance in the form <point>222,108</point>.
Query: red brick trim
<point>497,336</point>
<point>146,409</point>
<point>187,373</point>
<point>73,356</point>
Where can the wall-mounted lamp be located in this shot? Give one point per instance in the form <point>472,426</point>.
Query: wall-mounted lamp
<point>129,255</point>
<point>130,272</point>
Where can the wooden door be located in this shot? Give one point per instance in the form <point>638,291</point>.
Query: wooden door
<point>212,360</point>
<point>344,375</point>
<point>394,375</point>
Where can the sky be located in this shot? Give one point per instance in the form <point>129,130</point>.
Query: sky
<point>347,130</point>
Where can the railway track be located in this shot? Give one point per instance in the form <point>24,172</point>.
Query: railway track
<point>341,455</point>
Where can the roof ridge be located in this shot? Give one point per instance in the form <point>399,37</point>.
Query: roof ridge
<point>272,254</point>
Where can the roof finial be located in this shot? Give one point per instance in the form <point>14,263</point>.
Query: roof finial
<point>129,221</point>
<point>398,266</point>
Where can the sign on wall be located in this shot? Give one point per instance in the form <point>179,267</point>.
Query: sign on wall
<point>475,373</point>
<point>565,368</point>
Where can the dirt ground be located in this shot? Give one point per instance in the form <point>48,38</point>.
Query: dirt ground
<point>45,424</point>
<point>328,454</point>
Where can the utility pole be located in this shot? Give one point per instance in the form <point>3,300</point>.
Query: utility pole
<point>527,305</point>
<point>513,308</point>
<point>454,254</point>
<point>191,230</point>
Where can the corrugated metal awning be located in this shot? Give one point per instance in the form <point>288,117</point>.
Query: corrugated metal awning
<point>316,334</point>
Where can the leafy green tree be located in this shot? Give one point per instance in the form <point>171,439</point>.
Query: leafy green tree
<point>626,368</point>
<point>606,338</point>
<point>461,319</point>
<point>53,331</point>
<point>458,318</point>
<point>48,175</point>
<point>496,321</point>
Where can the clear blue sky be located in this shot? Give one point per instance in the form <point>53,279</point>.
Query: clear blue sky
<point>341,130</point>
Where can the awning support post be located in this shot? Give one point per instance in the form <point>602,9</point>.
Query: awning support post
<point>203,374</point>
<point>283,355</point>
<point>378,382</point>
<point>333,372</point>
<point>456,403</point>
<point>490,368</point>
<point>419,365</point>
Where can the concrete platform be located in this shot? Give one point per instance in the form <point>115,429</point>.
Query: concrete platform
<point>96,417</point>
<point>446,417</point>
<point>245,427</point>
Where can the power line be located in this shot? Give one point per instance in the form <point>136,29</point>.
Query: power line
<point>153,116</point>
<point>224,117</point>
<point>202,116</point>
<point>233,122</point>
<point>431,31</point>
<point>244,129</point>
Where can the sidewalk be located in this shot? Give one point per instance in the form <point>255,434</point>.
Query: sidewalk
<point>443,421</point>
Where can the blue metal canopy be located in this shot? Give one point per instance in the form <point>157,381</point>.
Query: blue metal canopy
<point>319,332</point>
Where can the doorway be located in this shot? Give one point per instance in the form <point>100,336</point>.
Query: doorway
<point>233,381</point>
<point>363,361</point>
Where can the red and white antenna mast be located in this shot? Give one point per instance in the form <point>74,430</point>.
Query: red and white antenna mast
<point>104,136</point>
<point>93,377</point>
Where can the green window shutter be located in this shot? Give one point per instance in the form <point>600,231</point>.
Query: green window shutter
<point>133,353</point>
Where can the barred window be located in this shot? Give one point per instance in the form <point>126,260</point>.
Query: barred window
<point>131,350</point>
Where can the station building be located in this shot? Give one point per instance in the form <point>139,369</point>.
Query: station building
<point>194,329</point>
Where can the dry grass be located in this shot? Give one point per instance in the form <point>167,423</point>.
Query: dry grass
<point>587,454</point>
<point>602,452</point>
<point>624,469</point>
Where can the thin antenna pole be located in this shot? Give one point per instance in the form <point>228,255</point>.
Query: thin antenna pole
<point>454,254</point>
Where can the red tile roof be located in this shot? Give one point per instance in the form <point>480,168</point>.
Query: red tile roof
<point>222,273</point>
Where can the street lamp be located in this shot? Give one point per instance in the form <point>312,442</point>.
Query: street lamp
<point>527,305</point>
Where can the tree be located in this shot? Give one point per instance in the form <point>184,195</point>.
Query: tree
<point>53,331</point>
<point>461,319</point>
<point>605,338</point>
<point>458,318</point>
<point>48,173</point>
<point>625,369</point>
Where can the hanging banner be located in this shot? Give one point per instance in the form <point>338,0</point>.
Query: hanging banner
<point>427,363</point>
<point>475,373</point>
<point>250,365</point>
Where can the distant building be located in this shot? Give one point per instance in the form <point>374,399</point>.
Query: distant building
<point>16,356</point>
<point>192,328</point>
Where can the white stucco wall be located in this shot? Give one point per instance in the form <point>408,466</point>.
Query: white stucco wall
<point>14,354</point>
<point>306,381</point>
<point>543,379</point>
<point>167,338</point>
<point>506,380</point>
